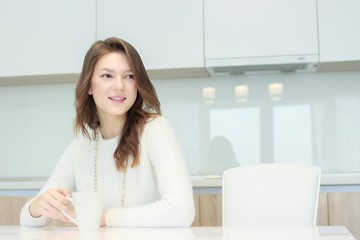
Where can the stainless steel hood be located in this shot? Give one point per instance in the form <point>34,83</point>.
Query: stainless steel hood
<point>232,66</point>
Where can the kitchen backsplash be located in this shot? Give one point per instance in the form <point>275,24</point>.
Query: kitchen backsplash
<point>311,118</point>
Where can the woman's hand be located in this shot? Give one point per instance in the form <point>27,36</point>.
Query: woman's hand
<point>50,204</point>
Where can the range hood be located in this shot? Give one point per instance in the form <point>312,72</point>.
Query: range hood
<point>255,65</point>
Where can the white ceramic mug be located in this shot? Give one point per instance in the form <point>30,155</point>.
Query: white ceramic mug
<point>88,208</point>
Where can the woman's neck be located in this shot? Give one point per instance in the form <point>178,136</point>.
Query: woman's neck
<point>111,127</point>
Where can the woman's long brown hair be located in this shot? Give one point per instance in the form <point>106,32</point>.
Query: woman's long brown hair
<point>146,104</point>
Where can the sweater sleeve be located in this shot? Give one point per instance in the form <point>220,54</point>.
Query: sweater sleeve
<point>61,177</point>
<point>175,208</point>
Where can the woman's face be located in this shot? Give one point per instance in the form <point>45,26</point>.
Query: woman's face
<point>113,86</point>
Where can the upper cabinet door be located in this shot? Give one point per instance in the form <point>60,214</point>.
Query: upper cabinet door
<point>339,30</point>
<point>260,28</point>
<point>167,34</point>
<point>45,37</point>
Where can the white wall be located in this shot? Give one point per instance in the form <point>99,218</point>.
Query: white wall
<point>315,120</point>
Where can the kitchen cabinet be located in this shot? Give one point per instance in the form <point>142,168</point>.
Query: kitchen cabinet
<point>196,221</point>
<point>167,34</point>
<point>249,32</point>
<point>208,210</point>
<point>45,37</point>
<point>339,31</point>
<point>344,209</point>
<point>10,209</point>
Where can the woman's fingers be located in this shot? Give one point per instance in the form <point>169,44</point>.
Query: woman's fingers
<point>56,199</point>
<point>51,203</point>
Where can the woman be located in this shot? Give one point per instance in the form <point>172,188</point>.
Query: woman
<point>123,148</point>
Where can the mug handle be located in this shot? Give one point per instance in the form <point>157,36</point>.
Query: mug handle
<point>67,215</point>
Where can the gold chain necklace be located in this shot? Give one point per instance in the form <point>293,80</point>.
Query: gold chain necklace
<point>123,182</point>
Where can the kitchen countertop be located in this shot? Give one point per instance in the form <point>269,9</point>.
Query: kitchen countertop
<point>326,180</point>
<point>207,181</point>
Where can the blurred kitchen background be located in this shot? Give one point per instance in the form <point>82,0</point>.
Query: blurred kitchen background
<point>241,82</point>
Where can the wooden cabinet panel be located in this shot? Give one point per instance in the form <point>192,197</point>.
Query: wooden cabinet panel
<point>322,214</point>
<point>10,208</point>
<point>196,222</point>
<point>344,209</point>
<point>210,210</point>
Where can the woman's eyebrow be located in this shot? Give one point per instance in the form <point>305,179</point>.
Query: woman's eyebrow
<point>127,71</point>
<point>111,70</point>
<point>106,69</point>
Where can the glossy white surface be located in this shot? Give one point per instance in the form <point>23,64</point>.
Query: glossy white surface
<point>232,31</point>
<point>172,32</point>
<point>339,33</point>
<point>60,51</point>
<point>195,233</point>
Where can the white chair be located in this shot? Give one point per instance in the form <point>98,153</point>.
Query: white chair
<point>271,194</point>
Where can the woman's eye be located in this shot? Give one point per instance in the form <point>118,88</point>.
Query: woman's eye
<point>130,76</point>
<point>106,75</point>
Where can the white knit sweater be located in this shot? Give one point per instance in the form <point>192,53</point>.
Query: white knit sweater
<point>158,191</point>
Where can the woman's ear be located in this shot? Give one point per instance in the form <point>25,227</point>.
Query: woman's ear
<point>89,91</point>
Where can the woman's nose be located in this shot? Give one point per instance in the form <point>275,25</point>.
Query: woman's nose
<point>119,82</point>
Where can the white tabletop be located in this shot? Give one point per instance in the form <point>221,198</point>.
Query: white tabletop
<point>193,233</point>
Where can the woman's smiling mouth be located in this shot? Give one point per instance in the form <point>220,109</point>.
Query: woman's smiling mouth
<point>117,99</point>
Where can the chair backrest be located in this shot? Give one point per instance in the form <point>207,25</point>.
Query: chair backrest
<point>271,194</point>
